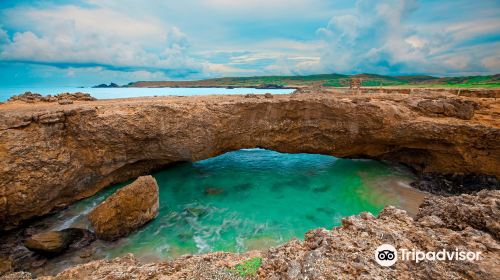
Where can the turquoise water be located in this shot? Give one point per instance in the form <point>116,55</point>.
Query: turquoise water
<point>106,93</point>
<point>251,199</point>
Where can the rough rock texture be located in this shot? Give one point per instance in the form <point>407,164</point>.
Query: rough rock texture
<point>453,184</point>
<point>53,155</point>
<point>448,107</point>
<point>467,92</point>
<point>481,211</point>
<point>345,252</point>
<point>208,266</point>
<point>5,265</point>
<point>126,210</point>
<point>61,98</point>
<point>18,276</point>
<point>349,251</point>
<point>55,242</point>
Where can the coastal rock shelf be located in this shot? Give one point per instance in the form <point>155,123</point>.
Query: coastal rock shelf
<point>52,154</point>
<point>345,251</point>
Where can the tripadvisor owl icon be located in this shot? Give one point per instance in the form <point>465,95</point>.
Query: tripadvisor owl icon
<point>386,255</point>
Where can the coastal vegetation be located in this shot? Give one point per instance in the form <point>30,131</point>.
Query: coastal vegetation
<point>334,80</point>
<point>248,268</point>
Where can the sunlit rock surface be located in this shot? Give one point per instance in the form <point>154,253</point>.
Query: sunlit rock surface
<point>126,210</point>
<point>345,252</point>
<point>53,154</point>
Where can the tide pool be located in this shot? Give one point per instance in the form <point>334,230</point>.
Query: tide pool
<point>253,199</point>
<point>108,93</point>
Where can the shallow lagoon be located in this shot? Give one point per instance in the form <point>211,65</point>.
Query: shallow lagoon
<point>252,199</point>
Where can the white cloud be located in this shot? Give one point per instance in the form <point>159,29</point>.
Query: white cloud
<point>221,70</point>
<point>378,37</point>
<point>77,35</point>
<point>248,37</point>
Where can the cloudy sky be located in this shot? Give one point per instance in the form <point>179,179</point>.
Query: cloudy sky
<point>85,42</point>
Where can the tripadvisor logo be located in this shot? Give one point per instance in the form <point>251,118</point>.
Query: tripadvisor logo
<point>387,255</point>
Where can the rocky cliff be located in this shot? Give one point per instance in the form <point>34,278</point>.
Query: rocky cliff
<point>345,252</point>
<point>53,154</point>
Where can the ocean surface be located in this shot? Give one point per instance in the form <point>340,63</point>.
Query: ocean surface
<point>252,199</point>
<point>107,93</point>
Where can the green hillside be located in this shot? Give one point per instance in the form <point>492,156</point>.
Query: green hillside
<point>334,80</point>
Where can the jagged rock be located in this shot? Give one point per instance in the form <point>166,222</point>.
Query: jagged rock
<point>213,191</point>
<point>268,95</point>
<point>480,211</point>
<point>128,209</point>
<point>55,242</point>
<point>62,98</point>
<point>453,184</point>
<point>345,252</point>
<point>53,155</point>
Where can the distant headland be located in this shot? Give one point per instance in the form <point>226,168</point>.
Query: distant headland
<point>326,80</point>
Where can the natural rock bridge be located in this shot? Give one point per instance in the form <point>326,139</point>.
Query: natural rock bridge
<point>52,155</point>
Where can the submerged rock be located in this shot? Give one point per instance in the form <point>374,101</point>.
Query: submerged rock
<point>213,191</point>
<point>196,211</point>
<point>56,242</point>
<point>128,209</point>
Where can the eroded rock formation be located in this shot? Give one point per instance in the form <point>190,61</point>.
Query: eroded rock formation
<point>345,252</point>
<point>61,98</point>
<point>53,155</point>
<point>55,242</point>
<point>126,210</point>
<point>481,212</point>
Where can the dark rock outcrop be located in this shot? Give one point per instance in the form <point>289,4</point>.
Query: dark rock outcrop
<point>53,155</point>
<point>453,184</point>
<point>56,242</point>
<point>126,210</point>
<point>111,85</point>
<point>480,211</point>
